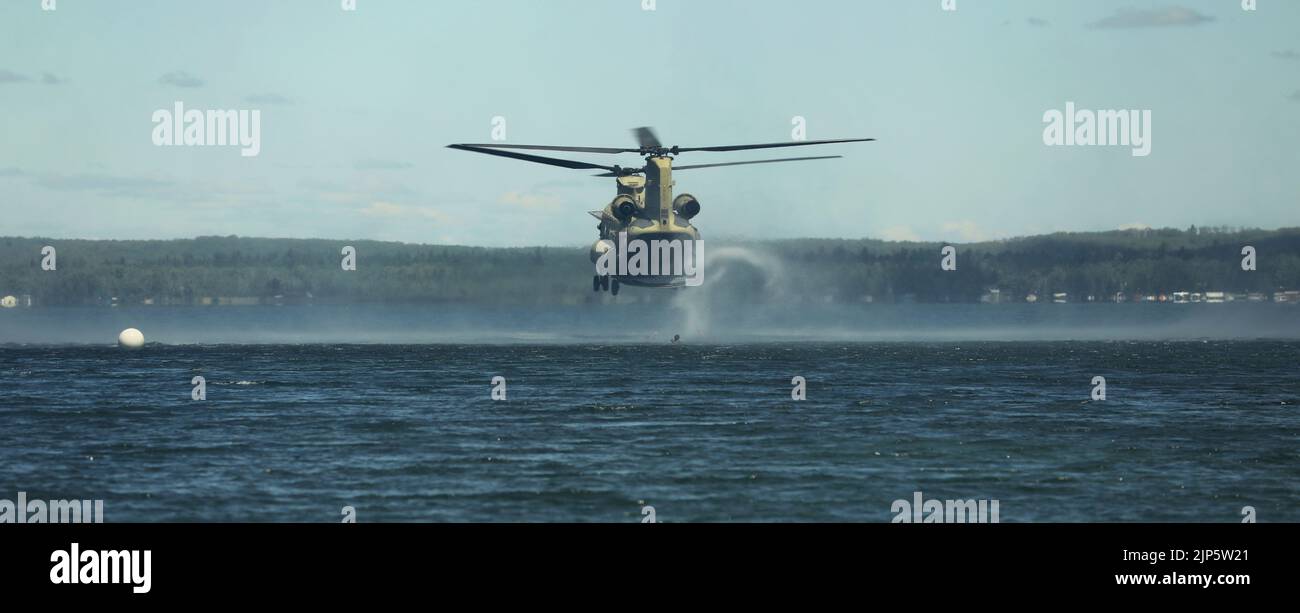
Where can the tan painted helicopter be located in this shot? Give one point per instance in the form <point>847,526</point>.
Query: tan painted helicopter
<point>644,208</point>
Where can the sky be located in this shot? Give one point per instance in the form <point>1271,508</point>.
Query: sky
<point>356,108</point>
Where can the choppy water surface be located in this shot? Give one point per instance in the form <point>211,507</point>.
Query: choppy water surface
<point>1190,431</point>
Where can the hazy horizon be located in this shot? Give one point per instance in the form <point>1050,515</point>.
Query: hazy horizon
<point>586,244</point>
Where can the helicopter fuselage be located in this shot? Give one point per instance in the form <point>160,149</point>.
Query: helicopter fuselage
<point>644,209</point>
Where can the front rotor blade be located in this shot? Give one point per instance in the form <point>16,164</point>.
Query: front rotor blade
<point>694,166</point>
<point>803,143</point>
<point>546,148</point>
<point>536,158</point>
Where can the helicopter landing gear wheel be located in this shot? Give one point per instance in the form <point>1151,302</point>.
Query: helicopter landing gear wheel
<point>613,287</point>
<point>595,283</point>
<point>604,282</point>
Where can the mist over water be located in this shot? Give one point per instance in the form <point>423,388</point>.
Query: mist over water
<point>736,279</point>
<point>706,316</point>
<point>744,299</point>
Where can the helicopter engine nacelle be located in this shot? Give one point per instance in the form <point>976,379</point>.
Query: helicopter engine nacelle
<point>601,247</point>
<point>686,206</point>
<point>624,207</point>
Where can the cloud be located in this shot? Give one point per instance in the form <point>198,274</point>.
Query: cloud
<point>1036,22</point>
<point>1169,16</point>
<point>181,79</point>
<point>9,76</point>
<point>162,190</point>
<point>108,185</point>
<point>899,233</point>
<point>269,99</point>
<point>378,164</point>
<point>380,208</point>
<point>10,172</point>
<point>531,201</point>
<point>363,191</point>
<point>1289,54</point>
<point>1295,97</point>
<point>967,230</point>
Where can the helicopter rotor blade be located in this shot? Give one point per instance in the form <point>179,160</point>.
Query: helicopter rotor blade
<point>646,137</point>
<point>614,170</point>
<point>695,166</point>
<point>476,146</point>
<point>650,146</point>
<point>803,143</point>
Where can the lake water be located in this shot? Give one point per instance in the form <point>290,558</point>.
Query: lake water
<point>390,412</point>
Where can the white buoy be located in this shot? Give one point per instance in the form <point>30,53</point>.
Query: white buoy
<point>130,338</point>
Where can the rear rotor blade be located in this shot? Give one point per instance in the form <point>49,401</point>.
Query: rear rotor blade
<point>694,166</point>
<point>538,159</point>
<point>647,138</point>
<point>545,148</point>
<point>803,143</point>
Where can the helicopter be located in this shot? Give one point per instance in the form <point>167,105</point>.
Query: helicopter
<point>644,208</point>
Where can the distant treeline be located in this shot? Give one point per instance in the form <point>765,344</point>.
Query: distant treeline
<point>207,269</point>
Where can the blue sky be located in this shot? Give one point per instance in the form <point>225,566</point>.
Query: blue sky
<point>356,108</point>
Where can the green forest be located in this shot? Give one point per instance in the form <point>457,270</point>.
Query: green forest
<point>272,270</point>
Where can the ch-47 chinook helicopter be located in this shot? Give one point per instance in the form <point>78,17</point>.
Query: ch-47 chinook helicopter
<point>644,208</point>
